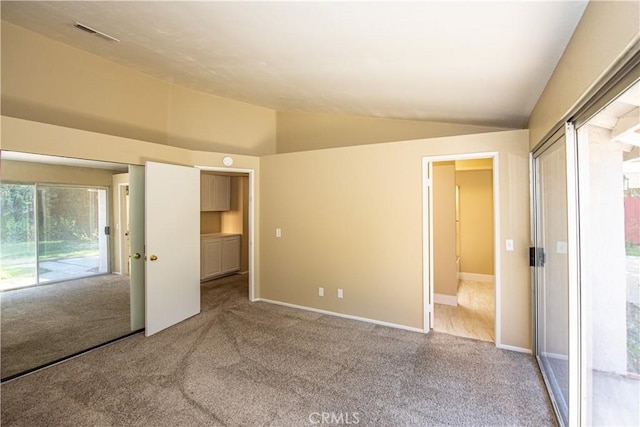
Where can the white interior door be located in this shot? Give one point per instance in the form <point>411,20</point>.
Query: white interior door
<point>172,226</point>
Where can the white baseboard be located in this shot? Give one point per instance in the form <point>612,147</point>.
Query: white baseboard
<point>514,348</point>
<point>345,316</point>
<point>474,277</point>
<point>445,299</point>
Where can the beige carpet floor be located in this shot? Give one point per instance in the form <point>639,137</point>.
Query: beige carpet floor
<point>44,323</point>
<point>248,364</point>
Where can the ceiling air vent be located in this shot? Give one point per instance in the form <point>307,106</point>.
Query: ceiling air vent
<point>90,30</point>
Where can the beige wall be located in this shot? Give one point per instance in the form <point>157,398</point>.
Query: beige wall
<point>476,221</point>
<point>210,222</point>
<point>311,131</point>
<point>606,30</point>
<point>445,275</point>
<point>351,218</point>
<point>50,82</point>
<point>474,164</point>
<point>28,172</point>
<point>40,138</point>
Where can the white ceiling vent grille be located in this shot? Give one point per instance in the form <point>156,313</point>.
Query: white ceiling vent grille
<point>90,30</point>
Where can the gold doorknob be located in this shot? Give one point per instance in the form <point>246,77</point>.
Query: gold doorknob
<point>136,256</point>
<point>153,257</point>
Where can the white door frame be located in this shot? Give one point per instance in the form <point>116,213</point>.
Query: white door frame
<point>251,172</point>
<point>123,228</point>
<point>427,234</point>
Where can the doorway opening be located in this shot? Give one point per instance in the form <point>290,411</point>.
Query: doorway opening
<point>227,224</point>
<point>121,242</point>
<point>461,231</point>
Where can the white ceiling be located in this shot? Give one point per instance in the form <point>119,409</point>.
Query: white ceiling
<point>477,62</point>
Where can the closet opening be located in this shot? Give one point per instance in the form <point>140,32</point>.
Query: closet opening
<point>226,227</point>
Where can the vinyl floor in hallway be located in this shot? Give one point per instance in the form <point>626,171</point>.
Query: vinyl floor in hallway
<point>473,317</point>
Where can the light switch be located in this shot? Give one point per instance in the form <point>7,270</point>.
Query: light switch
<point>321,292</point>
<point>278,232</point>
<point>509,245</point>
<point>561,247</point>
<point>340,294</point>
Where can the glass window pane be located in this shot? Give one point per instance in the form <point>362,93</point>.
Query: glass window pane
<point>609,155</point>
<point>17,236</point>
<point>71,239</point>
<point>552,280</point>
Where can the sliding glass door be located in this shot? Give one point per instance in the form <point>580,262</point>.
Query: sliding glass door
<point>17,236</point>
<point>551,274</point>
<point>51,233</point>
<point>586,258</point>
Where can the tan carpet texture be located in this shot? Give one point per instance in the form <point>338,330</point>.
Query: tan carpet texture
<point>44,323</point>
<point>247,364</point>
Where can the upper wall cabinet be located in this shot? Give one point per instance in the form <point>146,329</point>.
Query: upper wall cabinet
<point>214,193</point>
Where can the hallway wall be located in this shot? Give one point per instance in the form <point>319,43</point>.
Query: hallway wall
<point>476,221</point>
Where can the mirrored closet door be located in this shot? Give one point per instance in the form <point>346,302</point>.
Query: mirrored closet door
<point>64,258</point>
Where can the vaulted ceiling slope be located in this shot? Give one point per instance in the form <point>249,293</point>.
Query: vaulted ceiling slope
<point>476,62</point>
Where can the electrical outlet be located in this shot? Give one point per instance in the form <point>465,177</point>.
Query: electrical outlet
<point>278,232</point>
<point>321,291</point>
<point>340,294</point>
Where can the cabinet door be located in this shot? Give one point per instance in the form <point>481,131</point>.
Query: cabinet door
<point>231,254</point>
<point>211,253</point>
<point>221,193</point>
<point>206,192</point>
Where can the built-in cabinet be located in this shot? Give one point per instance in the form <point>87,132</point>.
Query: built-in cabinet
<point>220,255</point>
<point>214,193</point>
<point>223,225</point>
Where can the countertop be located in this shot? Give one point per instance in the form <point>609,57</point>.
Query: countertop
<point>203,236</point>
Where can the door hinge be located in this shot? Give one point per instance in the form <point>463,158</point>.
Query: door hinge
<point>427,182</point>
